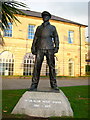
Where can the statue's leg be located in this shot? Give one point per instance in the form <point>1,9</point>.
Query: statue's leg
<point>51,63</point>
<point>37,68</point>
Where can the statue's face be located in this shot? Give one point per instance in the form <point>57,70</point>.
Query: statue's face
<point>46,18</point>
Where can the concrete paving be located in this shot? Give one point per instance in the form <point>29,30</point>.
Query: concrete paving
<point>20,83</point>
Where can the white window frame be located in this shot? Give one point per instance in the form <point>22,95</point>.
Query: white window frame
<point>28,64</point>
<point>31,31</point>
<point>70,36</point>
<point>6,64</point>
<point>72,69</point>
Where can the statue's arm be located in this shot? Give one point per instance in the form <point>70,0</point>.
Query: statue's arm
<point>34,46</point>
<point>56,40</point>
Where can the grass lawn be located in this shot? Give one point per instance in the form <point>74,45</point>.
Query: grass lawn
<point>77,95</point>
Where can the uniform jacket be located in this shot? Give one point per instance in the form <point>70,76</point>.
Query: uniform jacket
<point>45,37</point>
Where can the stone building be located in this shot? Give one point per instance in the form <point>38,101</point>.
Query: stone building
<point>16,57</point>
<point>87,53</point>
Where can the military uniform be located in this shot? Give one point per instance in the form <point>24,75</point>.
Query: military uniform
<point>45,43</point>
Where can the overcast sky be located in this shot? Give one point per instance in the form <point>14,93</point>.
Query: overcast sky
<point>75,10</point>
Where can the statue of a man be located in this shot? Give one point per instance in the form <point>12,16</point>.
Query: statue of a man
<point>45,43</point>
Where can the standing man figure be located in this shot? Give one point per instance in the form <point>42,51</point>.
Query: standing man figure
<point>45,43</point>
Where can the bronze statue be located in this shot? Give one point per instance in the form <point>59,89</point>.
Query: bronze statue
<point>45,43</point>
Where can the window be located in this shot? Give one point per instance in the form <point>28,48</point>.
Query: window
<point>70,36</point>
<point>6,63</point>
<point>31,31</point>
<point>28,64</point>
<point>8,31</point>
<point>71,67</point>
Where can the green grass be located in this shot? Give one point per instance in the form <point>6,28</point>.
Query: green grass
<point>77,95</point>
<point>10,98</point>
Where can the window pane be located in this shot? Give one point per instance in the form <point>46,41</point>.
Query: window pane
<point>8,31</point>
<point>28,67</point>
<point>31,31</point>
<point>70,36</point>
<point>6,67</point>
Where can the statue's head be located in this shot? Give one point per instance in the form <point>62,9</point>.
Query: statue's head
<point>46,16</point>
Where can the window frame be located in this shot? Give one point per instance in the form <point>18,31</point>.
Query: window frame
<point>69,37</point>
<point>8,30</point>
<point>72,65</point>
<point>7,64</point>
<point>31,31</point>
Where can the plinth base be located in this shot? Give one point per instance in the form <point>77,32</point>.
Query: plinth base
<point>43,104</point>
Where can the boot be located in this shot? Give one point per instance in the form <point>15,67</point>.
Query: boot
<point>33,87</point>
<point>54,86</point>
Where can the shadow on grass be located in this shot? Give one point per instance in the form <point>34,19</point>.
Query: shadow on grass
<point>21,117</point>
<point>26,117</point>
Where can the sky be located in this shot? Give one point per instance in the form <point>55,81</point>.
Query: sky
<point>75,10</point>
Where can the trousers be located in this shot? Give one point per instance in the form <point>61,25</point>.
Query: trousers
<point>38,63</point>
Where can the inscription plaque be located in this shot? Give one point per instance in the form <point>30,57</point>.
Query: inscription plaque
<point>42,103</point>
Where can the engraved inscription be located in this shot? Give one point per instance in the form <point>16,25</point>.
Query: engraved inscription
<point>43,103</point>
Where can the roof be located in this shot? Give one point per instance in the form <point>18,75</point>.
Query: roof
<point>38,14</point>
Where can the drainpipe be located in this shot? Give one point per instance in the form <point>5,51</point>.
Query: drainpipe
<point>80,47</point>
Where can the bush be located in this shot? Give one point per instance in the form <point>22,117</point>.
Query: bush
<point>88,73</point>
<point>87,69</point>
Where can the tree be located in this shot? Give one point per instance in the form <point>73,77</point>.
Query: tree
<point>8,9</point>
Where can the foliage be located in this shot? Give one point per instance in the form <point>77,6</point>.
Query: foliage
<point>87,69</point>
<point>8,11</point>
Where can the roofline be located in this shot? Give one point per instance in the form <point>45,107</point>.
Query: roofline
<point>72,22</point>
<point>53,17</point>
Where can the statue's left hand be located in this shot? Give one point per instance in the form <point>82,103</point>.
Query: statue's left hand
<point>55,50</point>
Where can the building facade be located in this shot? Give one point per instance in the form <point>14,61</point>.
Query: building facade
<point>16,57</point>
<point>87,53</point>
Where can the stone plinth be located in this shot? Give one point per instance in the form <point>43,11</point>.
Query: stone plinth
<point>43,104</point>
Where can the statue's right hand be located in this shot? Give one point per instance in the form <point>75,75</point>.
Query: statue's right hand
<point>33,50</point>
<point>56,49</point>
